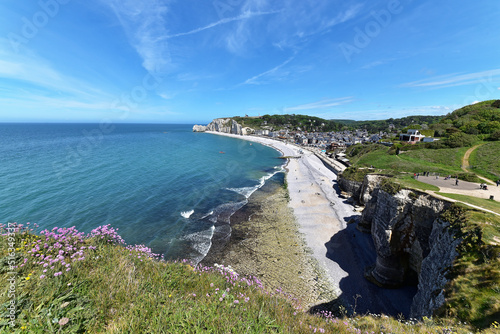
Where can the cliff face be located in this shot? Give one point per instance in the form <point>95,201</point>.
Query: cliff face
<point>410,240</point>
<point>225,125</point>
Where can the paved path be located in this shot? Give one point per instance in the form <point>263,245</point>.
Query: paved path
<point>463,188</point>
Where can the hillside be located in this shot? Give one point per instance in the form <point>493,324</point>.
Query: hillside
<point>65,281</point>
<point>316,124</point>
<point>482,119</point>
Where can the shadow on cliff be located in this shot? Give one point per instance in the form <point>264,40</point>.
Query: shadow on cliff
<point>353,251</point>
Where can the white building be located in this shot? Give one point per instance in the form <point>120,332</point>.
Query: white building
<point>411,136</point>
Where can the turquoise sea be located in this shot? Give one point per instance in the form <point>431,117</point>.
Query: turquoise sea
<point>161,185</point>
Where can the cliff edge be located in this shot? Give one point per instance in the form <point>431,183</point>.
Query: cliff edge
<point>225,125</point>
<point>411,239</point>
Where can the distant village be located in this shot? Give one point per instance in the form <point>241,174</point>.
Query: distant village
<point>333,143</point>
<point>337,142</point>
<point>341,139</point>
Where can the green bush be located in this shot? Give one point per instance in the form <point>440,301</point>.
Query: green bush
<point>355,174</point>
<point>390,187</point>
<point>460,139</point>
<point>495,136</point>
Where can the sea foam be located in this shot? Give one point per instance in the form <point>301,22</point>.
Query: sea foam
<point>187,214</point>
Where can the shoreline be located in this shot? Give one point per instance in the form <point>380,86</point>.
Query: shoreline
<point>318,213</point>
<point>341,251</point>
<point>265,242</point>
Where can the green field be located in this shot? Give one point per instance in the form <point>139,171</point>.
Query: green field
<point>442,161</point>
<point>481,202</point>
<point>485,160</point>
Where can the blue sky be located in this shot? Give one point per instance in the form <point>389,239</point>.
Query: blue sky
<point>189,61</point>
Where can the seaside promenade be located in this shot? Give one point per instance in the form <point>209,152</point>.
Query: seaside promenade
<point>322,215</point>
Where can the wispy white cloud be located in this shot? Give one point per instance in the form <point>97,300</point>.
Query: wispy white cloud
<point>455,79</point>
<point>27,68</point>
<point>323,104</point>
<point>377,63</point>
<point>145,25</point>
<point>244,16</point>
<point>267,75</point>
<point>301,21</point>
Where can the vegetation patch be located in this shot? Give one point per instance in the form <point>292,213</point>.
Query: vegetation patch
<point>116,288</point>
<point>390,187</point>
<point>472,294</point>
<point>356,174</point>
<point>485,160</point>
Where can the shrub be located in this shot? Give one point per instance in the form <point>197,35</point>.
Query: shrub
<point>355,174</point>
<point>390,187</point>
<point>495,136</point>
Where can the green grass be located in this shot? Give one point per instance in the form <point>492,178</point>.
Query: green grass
<point>408,181</point>
<point>418,161</point>
<point>441,157</point>
<point>473,291</point>
<point>485,160</point>
<point>481,202</point>
<point>116,290</point>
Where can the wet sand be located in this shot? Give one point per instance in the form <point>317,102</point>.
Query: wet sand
<point>265,242</point>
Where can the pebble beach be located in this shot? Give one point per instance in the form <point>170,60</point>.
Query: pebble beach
<point>299,240</point>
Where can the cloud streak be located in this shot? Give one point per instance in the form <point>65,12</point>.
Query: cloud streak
<point>256,80</point>
<point>451,80</point>
<point>244,16</point>
<point>323,104</point>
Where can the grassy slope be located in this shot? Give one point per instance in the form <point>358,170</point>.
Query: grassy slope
<point>418,161</point>
<point>481,202</point>
<point>485,160</point>
<point>115,290</point>
<point>473,291</point>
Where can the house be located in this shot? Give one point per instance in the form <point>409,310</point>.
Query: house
<point>411,136</point>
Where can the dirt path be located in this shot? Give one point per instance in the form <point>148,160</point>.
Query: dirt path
<point>466,165</point>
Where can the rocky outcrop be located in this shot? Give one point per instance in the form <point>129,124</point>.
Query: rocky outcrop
<point>353,188</point>
<point>433,270</point>
<point>199,128</point>
<point>411,240</point>
<point>225,125</point>
<point>401,227</point>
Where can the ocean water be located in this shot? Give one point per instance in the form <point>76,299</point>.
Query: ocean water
<point>161,185</point>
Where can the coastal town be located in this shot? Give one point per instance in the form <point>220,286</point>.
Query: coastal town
<point>332,143</point>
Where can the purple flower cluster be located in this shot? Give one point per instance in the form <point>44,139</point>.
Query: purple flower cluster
<point>54,250</point>
<point>141,251</point>
<point>107,234</point>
